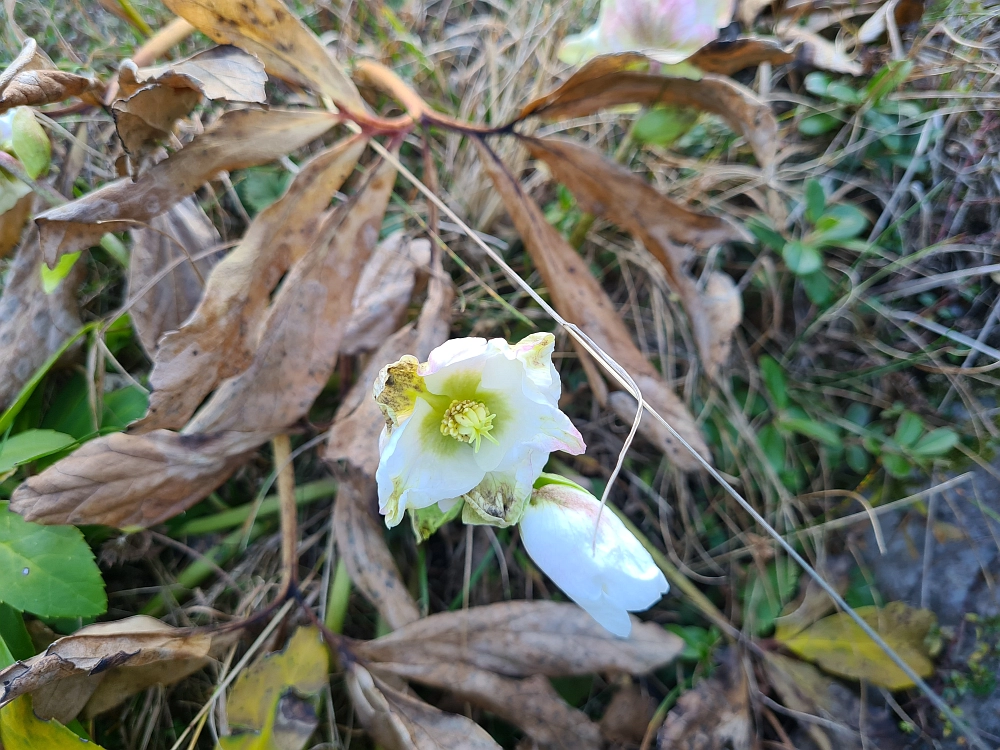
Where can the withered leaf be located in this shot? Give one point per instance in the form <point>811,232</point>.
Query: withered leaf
<point>148,115</point>
<point>358,421</point>
<point>664,227</point>
<point>223,72</point>
<point>132,480</point>
<point>33,88</point>
<point>238,139</point>
<point>269,30</point>
<point>398,721</point>
<point>614,80</point>
<point>519,639</point>
<point>219,339</point>
<point>139,480</point>
<point>627,716</point>
<point>726,58</point>
<point>99,666</point>
<point>33,324</point>
<point>383,292</point>
<point>161,299</point>
<point>361,545</point>
<point>713,716</point>
<point>818,51</point>
<point>579,298</point>
<point>531,704</point>
<point>12,223</point>
<point>305,324</point>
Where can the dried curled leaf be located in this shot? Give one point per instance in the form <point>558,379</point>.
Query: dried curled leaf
<point>219,339</point>
<point>519,639</point>
<point>33,324</point>
<point>269,30</point>
<point>664,227</point>
<point>13,220</point>
<point>168,268</point>
<point>401,722</point>
<point>726,58</point>
<point>99,666</point>
<point>578,296</point>
<point>238,139</point>
<point>838,645</point>
<point>148,116</point>
<point>33,88</point>
<point>223,72</point>
<point>614,80</point>
<point>361,545</point>
<point>819,51</point>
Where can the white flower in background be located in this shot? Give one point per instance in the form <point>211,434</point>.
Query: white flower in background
<point>669,31</point>
<point>476,422</point>
<point>609,579</point>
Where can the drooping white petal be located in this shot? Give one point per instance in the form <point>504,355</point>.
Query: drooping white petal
<point>608,575</point>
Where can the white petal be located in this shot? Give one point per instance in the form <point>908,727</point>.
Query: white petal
<point>610,614</point>
<point>419,466</point>
<point>559,543</point>
<point>454,354</point>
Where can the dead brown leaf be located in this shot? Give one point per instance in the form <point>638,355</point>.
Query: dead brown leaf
<point>358,422</point>
<point>12,223</point>
<point>33,88</point>
<point>222,72</point>
<point>168,269</point>
<point>101,665</point>
<point>578,296</point>
<point>220,338</point>
<point>133,480</point>
<point>664,227</point>
<point>613,80</point>
<point>713,716</point>
<point>148,115</point>
<point>139,480</point>
<point>238,139</point>
<point>401,722</point>
<point>627,716</point>
<point>361,545</point>
<point>269,30</point>
<point>33,324</point>
<point>818,51</point>
<point>531,704</point>
<point>383,292</point>
<point>726,58</point>
<point>522,638</point>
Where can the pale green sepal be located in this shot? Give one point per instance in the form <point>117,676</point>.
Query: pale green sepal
<point>547,478</point>
<point>426,521</point>
<point>492,504</point>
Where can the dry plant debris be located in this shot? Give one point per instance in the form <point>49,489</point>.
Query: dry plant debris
<point>216,250</point>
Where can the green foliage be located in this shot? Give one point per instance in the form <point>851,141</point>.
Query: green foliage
<point>764,596</point>
<point>29,445</point>
<point>662,126</point>
<point>259,187</point>
<point>48,570</point>
<point>29,142</point>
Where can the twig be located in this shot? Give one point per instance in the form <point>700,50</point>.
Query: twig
<point>282,447</point>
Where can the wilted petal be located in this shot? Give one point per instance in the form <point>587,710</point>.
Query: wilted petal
<point>608,575</point>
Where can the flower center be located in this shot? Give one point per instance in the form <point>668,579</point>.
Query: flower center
<point>468,422</point>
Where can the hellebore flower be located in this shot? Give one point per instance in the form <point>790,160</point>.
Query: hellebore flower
<point>669,31</point>
<point>609,579</point>
<point>476,422</point>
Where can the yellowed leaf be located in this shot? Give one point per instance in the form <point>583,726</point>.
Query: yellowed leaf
<point>839,646</point>
<point>20,729</point>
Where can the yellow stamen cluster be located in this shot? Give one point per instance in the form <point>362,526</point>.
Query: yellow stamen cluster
<point>468,422</point>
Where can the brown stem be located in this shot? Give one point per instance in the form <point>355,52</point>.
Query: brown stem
<point>282,447</point>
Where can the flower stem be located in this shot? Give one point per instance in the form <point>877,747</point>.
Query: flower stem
<point>282,448</point>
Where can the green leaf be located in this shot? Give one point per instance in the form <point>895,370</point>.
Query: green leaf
<point>935,443</point>
<point>772,443</point>
<point>818,124</point>
<point>801,259</point>
<point>426,521</point>
<point>815,201</point>
<point>661,126</point>
<point>14,634</point>
<point>766,234</point>
<point>909,428</point>
<point>841,222</point>
<point>839,646</point>
<point>858,459</point>
<point>815,430</point>
<point>48,570</point>
<point>765,597</point>
<point>11,191</point>
<point>858,413</point>
<point>774,380</point>
<point>30,143</point>
<point>6,657</point>
<point>124,406</point>
<point>817,83</point>
<point>819,288</point>
<point>896,465</point>
<point>20,729</point>
<point>29,445</point>
<point>259,187</point>
<point>844,93</point>
<point>52,277</point>
<point>698,642</point>
<point>887,80</point>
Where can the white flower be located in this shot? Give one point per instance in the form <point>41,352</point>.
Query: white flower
<point>477,422</point>
<point>609,579</point>
<point>666,30</point>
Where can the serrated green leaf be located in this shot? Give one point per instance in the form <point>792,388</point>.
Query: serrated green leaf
<point>48,570</point>
<point>935,443</point>
<point>774,380</point>
<point>815,201</point>
<point>29,445</point>
<point>809,428</point>
<point>909,428</point>
<point>20,729</point>
<point>801,259</point>
<point>30,142</point>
